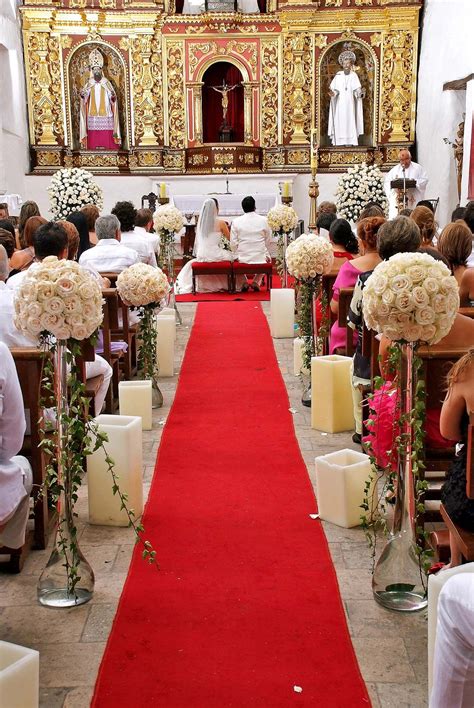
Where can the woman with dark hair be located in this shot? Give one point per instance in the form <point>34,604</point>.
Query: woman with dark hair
<point>21,260</point>
<point>80,222</point>
<point>91,213</point>
<point>344,243</point>
<point>28,209</point>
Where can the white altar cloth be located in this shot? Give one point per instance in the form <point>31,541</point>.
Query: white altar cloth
<point>14,202</point>
<point>229,204</point>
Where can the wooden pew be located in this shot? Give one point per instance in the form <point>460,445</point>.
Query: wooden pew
<point>345,297</point>
<point>124,331</point>
<point>328,281</point>
<point>110,322</point>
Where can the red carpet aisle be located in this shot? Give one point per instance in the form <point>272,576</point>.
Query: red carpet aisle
<point>246,604</point>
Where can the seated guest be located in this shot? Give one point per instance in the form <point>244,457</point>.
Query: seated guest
<point>80,222</point>
<point>92,214</point>
<point>405,212</point>
<point>371,209</point>
<point>344,243</point>
<point>324,221</point>
<point>27,210</point>
<point>126,214</point>
<point>327,208</point>
<point>4,213</point>
<point>469,219</point>
<point>426,203</point>
<point>458,213</point>
<point>143,227</point>
<point>72,239</point>
<point>349,272</point>
<point>424,219</point>
<point>109,255</point>
<point>49,240</point>
<point>401,235</point>
<point>455,244</point>
<point>453,668</point>
<point>453,423</point>
<point>8,242</point>
<point>208,246</point>
<point>23,259</point>
<point>251,240</point>
<point>16,478</point>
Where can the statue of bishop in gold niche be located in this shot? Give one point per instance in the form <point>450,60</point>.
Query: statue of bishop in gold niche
<point>346,121</point>
<point>99,117</point>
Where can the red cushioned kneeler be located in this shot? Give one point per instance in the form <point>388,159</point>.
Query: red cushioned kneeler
<point>253,269</point>
<point>212,268</point>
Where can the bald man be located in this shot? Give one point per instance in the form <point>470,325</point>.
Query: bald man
<point>410,170</point>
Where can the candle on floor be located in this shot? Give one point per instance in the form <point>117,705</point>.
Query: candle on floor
<point>331,393</point>
<point>282,313</point>
<point>124,446</point>
<point>298,357</point>
<point>340,484</point>
<point>165,339</point>
<point>19,676</point>
<point>168,312</point>
<point>135,398</point>
<point>435,585</point>
<point>163,190</point>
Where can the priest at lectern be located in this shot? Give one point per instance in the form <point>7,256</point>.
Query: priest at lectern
<point>405,170</point>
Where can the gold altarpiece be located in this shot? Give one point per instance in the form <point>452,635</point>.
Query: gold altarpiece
<point>156,60</point>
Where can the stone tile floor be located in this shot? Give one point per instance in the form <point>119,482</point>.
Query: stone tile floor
<point>390,647</point>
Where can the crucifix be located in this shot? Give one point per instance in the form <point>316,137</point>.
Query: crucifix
<point>224,91</point>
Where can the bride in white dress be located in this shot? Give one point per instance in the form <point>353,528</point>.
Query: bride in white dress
<point>210,234</point>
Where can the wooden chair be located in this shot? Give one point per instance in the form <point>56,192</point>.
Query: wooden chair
<point>345,298</point>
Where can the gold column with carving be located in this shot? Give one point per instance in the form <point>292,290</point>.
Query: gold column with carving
<point>269,94</point>
<point>398,68</point>
<point>196,87</point>
<point>145,102</point>
<point>248,94</point>
<point>296,88</point>
<point>176,94</point>
<point>43,67</point>
<point>313,189</point>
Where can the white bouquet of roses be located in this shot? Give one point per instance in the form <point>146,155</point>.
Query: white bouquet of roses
<point>61,298</point>
<point>309,256</point>
<point>168,218</point>
<point>411,297</point>
<point>360,185</point>
<point>282,219</point>
<point>142,284</point>
<point>72,189</point>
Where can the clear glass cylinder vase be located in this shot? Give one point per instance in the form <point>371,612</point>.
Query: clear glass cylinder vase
<point>399,581</point>
<point>68,579</point>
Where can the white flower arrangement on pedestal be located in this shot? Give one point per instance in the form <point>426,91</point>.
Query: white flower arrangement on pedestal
<point>282,219</point>
<point>60,298</point>
<point>309,256</point>
<point>360,185</point>
<point>411,298</point>
<point>72,189</point>
<point>142,284</point>
<point>168,218</point>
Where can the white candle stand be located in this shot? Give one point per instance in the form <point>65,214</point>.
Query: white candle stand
<point>331,394</point>
<point>19,676</point>
<point>124,446</point>
<point>340,485</point>
<point>282,313</point>
<point>135,398</point>
<point>165,341</point>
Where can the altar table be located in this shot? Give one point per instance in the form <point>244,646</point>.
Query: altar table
<point>230,205</point>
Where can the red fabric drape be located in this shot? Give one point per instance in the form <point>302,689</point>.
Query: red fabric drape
<point>212,102</point>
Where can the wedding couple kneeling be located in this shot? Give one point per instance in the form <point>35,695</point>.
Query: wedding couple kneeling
<point>249,241</point>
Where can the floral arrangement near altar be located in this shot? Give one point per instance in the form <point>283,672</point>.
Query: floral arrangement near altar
<point>142,284</point>
<point>168,218</point>
<point>72,189</point>
<point>309,256</point>
<point>61,298</point>
<point>411,297</point>
<point>282,219</point>
<point>360,185</point>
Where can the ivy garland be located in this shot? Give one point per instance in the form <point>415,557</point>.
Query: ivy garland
<point>381,485</point>
<point>80,437</point>
<point>147,359</point>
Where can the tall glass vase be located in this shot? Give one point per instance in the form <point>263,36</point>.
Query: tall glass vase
<point>399,582</point>
<point>68,579</point>
<point>148,354</point>
<point>170,266</point>
<point>310,292</point>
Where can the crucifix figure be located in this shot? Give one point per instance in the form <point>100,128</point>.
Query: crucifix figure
<point>224,90</point>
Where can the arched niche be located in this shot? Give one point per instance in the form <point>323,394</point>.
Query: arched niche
<point>212,103</point>
<point>78,72</point>
<point>366,68</point>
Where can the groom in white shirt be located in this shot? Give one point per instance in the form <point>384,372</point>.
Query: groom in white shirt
<point>251,239</point>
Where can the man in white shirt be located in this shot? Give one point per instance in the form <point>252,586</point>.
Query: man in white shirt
<point>410,170</point>
<point>109,255</point>
<point>143,226</point>
<point>251,240</point>
<point>16,479</point>
<point>126,214</point>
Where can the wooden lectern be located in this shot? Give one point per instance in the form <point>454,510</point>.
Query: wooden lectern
<point>402,186</point>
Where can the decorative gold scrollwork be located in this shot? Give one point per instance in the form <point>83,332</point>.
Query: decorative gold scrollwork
<point>147,82</point>
<point>176,93</point>
<point>269,95</point>
<point>45,88</point>
<point>297,70</point>
<point>397,77</point>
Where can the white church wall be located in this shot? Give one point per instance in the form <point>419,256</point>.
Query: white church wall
<point>13,124</point>
<point>446,55</point>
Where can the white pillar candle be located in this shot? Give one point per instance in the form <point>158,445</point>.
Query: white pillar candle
<point>19,676</point>
<point>331,394</point>
<point>124,446</point>
<point>168,312</point>
<point>435,585</point>
<point>135,398</point>
<point>340,484</point>
<point>298,357</point>
<point>282,313</point>
<point>165,339</point>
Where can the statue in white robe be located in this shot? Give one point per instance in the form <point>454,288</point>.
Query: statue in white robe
<point>346,121</point>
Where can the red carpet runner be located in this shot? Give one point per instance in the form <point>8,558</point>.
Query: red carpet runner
<point>246,605</point>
